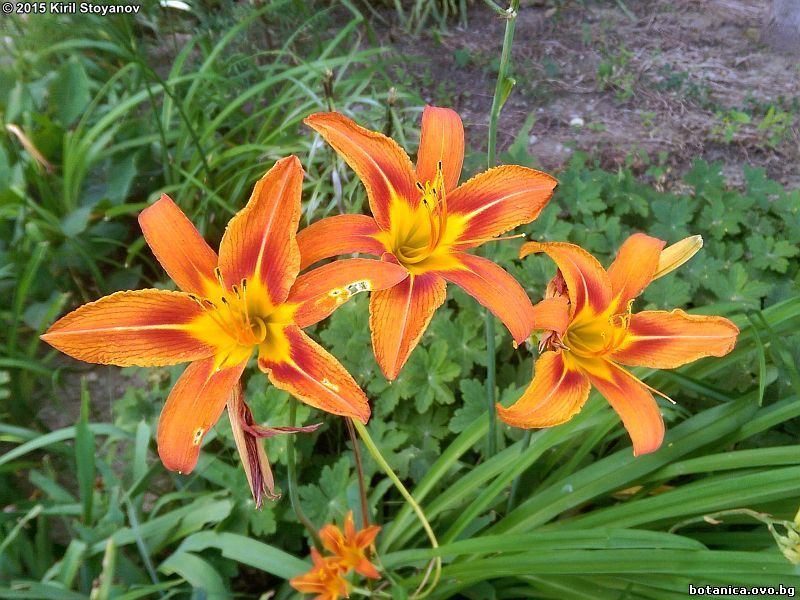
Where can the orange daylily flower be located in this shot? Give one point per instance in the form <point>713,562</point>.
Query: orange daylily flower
<point>324,579</point>
<point>592,331</point>
<point>247,298</point>
<point>350,547</point>
<point>424,221</point>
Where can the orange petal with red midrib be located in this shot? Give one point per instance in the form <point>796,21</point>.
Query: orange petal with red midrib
<point>178,246</point>
<point>551,314</point>
<point>314,376</point>
<point>495,289</point>
<point>587,282</point>
<point>633,403</point>
<point>555,395</point>
<point>441,139</point>
<point>321,291</point>
<point>399,316</point>
<point>260,243</point>
<point>666,340</point>
<point>145,328</point>
<point>633,269</point>
<point>193,407</point>
<point>498,200</point>
<point>383,167</point>
<point>340,234</point>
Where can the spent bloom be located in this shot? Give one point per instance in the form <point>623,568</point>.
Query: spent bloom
<point>591,332</point>
<point>247,298</point>
<point>423,221</point>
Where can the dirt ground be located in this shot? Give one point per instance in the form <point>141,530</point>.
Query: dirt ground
<point>614,78</point>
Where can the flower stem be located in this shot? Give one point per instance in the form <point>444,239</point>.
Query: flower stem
<point>436,563</point>
<point>491,439</point>
<point>498,100</point>
<point>293,497</point>
<point>360,470</point>
<point>497,104</point>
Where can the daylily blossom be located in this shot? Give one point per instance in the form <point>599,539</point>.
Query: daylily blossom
<point>324,579</point>
<point>424,221</point>
<point>349,553</point>
<point>591,332</point>
<point>249,297</point>
<point>350,547</point>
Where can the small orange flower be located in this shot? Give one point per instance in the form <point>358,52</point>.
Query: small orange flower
<point>350,547</point>
<point>591,332</point>
<point>324,579</point>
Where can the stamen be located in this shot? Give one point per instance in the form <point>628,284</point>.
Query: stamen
<point>244,301</point>
<point>218,273</point>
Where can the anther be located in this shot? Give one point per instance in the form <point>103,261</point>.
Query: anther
<point>218,273</point>
<point>420,187</point>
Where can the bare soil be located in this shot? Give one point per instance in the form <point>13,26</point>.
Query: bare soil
<point>618,80</point>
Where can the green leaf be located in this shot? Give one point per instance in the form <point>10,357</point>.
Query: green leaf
<point>328,500</point>
<point>246,551</point>
<point>198,572</point>
<point>473,405</point>
<point>69,93</point>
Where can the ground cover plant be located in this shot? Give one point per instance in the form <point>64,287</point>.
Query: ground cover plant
<point>434,496</point>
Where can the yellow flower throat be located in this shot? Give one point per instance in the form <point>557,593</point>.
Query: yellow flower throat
<point>591,336</point>
<point>415,234</point>
<point>247,318</point>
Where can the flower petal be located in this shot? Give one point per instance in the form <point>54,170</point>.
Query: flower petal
<point>145,328</point>
<point>587,282</point>
<point>379,162</point>
<point>440,140</point>
<point>495,289</point>
<point>340,234</point>
<point>399,316</point>
<point>633,269</point>
<point>555,395</point>
<point>633,403</point>
<point>498,200</point>
<point>551,314</point>
<point>666,340</point>
<point>193,406</point>
<point>321,291</point>
<point>181,250</point>
<point>259,243</point>
<point>309,373</point>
